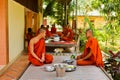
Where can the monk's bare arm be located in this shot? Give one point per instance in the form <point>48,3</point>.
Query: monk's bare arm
<point>68,34</point>
<point>88,56</point>
<point>32,50</point>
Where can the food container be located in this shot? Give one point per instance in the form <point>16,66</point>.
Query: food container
<point>60,71</point>
<point>56,38</point>
<point>49,68</point>
<point>68,61</point>
<point>70,68</point>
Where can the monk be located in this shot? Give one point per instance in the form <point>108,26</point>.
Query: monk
<point>68,34</point>
<point>36,50</point>
<point>48,33</point>
<point>53,29</point>
<point>92,54</point>
<point>42,26</point>
<point>29,35</point>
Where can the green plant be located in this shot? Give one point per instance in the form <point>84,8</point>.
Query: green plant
<point>56,10</point>
<point>112,65</point>
<point>110,10</point>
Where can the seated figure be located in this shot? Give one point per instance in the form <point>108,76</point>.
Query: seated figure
<point>92,54</point>
<point>36,50</point>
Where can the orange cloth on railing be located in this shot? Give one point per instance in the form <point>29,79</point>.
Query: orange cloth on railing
<point>39,49</point>
<point>95,58</point>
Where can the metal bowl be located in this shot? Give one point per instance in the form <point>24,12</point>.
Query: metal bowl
<point>49,68</point>
<point>69,61</point>
<point>70,68</point>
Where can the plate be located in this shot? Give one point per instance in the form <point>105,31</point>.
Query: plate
<point>70,68</point>
<point>60,64</point>
<point>49,68</point>
<point>68,61</point>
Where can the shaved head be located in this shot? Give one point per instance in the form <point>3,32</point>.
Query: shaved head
<point>89,33</point>
<point>42,32</point>
<point>89,30</point>
<point>42,29</point>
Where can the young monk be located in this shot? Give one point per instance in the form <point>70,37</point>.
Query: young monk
<point>48,33</point>
<point>53,29</point>
<point>36,50</point>
<point>68,34</point>
<point>42,26</point>
<point>29,35</point>
<point>92,54</point>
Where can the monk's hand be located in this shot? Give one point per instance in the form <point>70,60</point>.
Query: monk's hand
<point>43,59</point>
<point>78,57</point>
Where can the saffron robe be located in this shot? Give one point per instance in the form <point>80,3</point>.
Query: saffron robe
<point>48,33</point>
<point>70,37</point>
<point>95,58</point>
<point>29,36</point>
<point>39,49</point>
<point>53,30</point>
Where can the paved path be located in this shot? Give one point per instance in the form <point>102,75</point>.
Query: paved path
<point>81,73</point>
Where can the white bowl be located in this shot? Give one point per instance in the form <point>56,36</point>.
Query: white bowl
<point>49,68</point>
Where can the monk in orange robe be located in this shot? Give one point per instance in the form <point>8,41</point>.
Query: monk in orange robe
<point>42,26</point>
<point>68,34</point>
<point>53,29</point>
<point>36,50</point>
<point>29,35</point>
<point>48,33</point>
<point>92,54</point>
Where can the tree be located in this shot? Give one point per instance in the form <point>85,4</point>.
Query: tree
<point>49,10</point>
<point>110,9</point>
<point>56,10</point>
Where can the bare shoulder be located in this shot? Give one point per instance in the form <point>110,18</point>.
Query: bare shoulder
<point>32,41</point>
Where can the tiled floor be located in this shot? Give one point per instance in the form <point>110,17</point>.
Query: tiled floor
<point>81,73</point>
<point>16,69</point>
<point>1,67</point>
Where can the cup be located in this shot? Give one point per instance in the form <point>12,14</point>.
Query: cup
<point>60,71</point>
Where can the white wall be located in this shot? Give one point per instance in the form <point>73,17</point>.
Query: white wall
<point>16,29</point>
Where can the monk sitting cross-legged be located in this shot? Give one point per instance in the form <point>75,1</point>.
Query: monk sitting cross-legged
<point>68,34</point>
<point>92,54</point>
<point>36,50</point>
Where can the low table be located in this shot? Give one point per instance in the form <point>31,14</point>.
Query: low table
<point>61,44</point>
<point>50,46</point>
<point>81,73</point>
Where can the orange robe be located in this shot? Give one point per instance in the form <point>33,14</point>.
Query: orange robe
<point>39,49</point>
<point>29,36</point>
<point>95,58</point>
<point>48,33</point>
<point>53,30</point>
<point>70,37</point>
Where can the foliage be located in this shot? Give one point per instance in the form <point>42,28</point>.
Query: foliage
<point>56,10</point>
<point>112,65</point>
<point>110,9</point>
<point>82,40</point>
<point>49,10</point>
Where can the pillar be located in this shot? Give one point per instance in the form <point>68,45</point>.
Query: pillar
<point>3,32</point>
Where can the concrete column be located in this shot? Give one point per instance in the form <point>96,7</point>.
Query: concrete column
<point>76,15</point>
<point>3,32</point>
<point>40,16</point>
